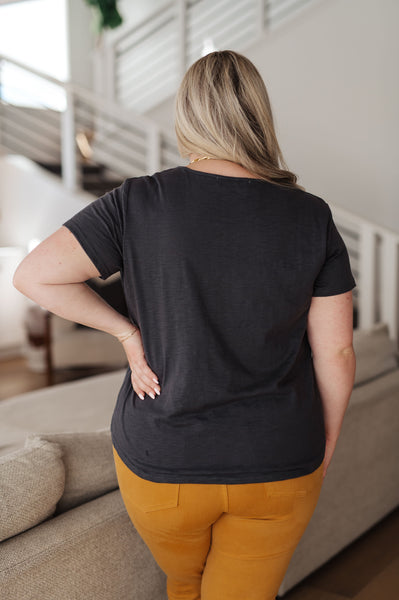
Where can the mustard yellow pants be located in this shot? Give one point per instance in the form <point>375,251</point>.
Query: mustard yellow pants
<point>220,541</point>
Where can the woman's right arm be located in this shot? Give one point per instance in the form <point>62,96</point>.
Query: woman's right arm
<point>330,335</point>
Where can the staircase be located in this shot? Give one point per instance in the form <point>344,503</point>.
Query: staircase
<point>119,142</point>
<point>95,143</point>
<point>94,178</point>
<point>172,38</point>
<point>123,141</point>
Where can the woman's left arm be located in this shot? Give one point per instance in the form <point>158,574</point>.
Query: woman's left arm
<point>53,275</point>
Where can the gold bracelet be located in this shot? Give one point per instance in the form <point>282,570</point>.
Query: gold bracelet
<point>122,337</point>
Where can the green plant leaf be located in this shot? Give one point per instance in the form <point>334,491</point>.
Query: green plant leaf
<point>107,12</point>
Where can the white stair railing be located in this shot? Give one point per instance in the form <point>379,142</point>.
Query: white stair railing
<point>145,64</point>
<point>374,256</point>
<point>126,143</point>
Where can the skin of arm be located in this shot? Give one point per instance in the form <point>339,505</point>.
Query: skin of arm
<point>53,276</point>
<point>330,335</point>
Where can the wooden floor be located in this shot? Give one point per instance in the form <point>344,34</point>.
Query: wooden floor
<point>368,569</point>
<point>16,378</point>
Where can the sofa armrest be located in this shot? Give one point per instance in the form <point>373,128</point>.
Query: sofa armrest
<point>93,547</point>
<point>362,481</point>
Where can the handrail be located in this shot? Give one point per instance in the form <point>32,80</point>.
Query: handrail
<point>33,70</point>
<point>129,32</point>
<point>111,122</point>
<point>143,122</point>
<point>377,292</point>
<point>357,220</point>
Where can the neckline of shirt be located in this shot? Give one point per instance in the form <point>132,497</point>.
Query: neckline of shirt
<point>234,178</point>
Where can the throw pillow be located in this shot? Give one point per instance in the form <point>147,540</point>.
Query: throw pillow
<point>89,465</point>
<point>31,483</point>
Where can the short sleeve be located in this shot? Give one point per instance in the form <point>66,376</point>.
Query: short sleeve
<point>99,228</point>
<point>335,276</point>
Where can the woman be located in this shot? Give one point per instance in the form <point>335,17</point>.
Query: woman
<point>239,338</point>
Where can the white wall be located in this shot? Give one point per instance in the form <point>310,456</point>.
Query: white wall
<point>81,42</point>
<point>332,77</point>
<point>12,303</point>
<point>33,202</point>
<point>43,46</point>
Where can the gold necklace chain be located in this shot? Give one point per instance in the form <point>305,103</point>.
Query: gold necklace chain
<point>197,159</point>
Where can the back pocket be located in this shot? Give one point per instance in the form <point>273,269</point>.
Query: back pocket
<point>283,495</point>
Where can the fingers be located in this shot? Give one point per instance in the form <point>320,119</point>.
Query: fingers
<point>328,454</point>
<point>143,380</point>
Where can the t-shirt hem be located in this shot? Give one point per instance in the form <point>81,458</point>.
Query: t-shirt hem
<point>334,292</point>
<point>277,474</point>
<point>82,239</point>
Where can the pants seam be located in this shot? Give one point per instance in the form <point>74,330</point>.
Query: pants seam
<point>226,498</point>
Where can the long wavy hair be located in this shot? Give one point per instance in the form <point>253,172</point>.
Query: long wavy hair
<point>222,110</point>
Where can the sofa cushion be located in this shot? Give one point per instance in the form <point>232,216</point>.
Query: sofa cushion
<point>92,552</point>
<point>32,481</point>
<point>80,405</point>
<point>375,353</point>
<point>89,465</point>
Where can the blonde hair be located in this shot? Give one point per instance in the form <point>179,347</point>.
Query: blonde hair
<point>222,110</point>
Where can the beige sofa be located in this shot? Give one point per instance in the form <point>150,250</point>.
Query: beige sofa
<point>66,534</point>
